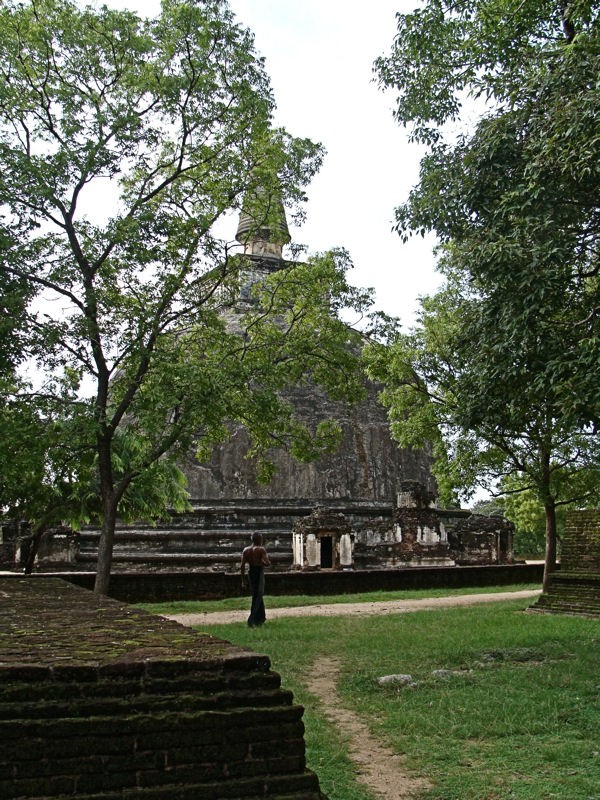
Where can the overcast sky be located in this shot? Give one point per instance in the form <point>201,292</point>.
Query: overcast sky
<point>319,56</point>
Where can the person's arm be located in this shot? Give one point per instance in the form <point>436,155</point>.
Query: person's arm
<point>243,568</point>
<point>266,561</point>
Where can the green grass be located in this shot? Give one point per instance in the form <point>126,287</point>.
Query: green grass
<point>285,601</point>
<point>519,718</point>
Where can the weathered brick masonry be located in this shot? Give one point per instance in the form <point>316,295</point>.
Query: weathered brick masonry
<point>575,589</point>
<point>159,587</point>
<point>100,701</point>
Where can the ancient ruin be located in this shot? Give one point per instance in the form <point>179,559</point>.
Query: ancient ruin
<point>103,701</point>
<point>575,587</point>
<point>369,505</point>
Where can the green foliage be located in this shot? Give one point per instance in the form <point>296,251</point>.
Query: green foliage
<point>503,369</point>
<point>527,515</point>
<point>122,141</point>
<point>515,200</point>
<point>42,477</point>
<point>446,53</point>
<point>452,380</point>
<point>495,506</point>
<point>49,465</point>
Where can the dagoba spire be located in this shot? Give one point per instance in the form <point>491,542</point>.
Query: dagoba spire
<point>263,226</point>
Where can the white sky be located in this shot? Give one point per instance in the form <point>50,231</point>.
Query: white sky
<point>319,56</point>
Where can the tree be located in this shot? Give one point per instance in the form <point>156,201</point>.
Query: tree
<point>123,141</point>
<point>524,509</point>
<point>505,360</point>
<point>49,475</point>
<point>14,296</point>
<point>526,513</point>
<point>517,196</point>
<point>453,382</point>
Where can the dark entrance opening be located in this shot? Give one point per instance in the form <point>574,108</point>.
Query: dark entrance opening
<point>326,552</point>
<point>503,547</point>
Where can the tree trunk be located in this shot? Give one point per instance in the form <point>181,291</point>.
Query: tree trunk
<point>105,548</point>
<point>109,517</point>
<point>550,513</point>
<point>550,560</point>
<point>34,545</point>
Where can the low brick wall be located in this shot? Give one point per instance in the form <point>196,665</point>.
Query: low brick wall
<point>100,701</point>
<point>149,587</point>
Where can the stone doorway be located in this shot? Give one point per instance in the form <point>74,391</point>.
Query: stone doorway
<point>323,540</point>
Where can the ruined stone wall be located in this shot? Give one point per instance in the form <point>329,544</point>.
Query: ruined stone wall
<point>575,588</point>
<point>422,534</point>
<point>9,536</point>
<point>99,701</point>
<point>477,539</point>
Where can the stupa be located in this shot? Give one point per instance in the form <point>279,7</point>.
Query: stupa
<point>359,481</point>
<point>347,510</point>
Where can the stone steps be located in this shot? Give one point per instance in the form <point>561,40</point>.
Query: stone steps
<point>572,599</point>
<point>211,536</point>
<point>214,549</point>
<point>185,702</point>
<point>207,560</point>
<point>561,607</point>
<point>571,592</point>
<point>167,536</point>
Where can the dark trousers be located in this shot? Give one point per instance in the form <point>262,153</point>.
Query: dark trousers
<point>256,577</point>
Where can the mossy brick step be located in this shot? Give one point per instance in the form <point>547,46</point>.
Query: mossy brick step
<point>255,789</point>
<point>566,608</point>
<point>305,788</point>
<point>555,601</point>
<point>568,596</point>
<point>100,701</point>
<point>56,700</point>
<point>575,588</point>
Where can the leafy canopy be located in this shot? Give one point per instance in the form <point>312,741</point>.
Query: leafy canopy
<point>503,368</point>
<point>122,142</point>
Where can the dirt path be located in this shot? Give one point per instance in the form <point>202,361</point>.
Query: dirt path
<point>377,766</point>
<point>355,609</point>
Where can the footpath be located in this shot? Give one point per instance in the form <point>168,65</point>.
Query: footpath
<point>355,609</point>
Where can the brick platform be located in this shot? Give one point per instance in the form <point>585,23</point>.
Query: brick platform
<point>575,589</point>
<point>99,701</point>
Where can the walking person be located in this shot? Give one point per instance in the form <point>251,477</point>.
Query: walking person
<point>257,559</point>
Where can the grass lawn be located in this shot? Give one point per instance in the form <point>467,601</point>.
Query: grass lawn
<point>517,716</point>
